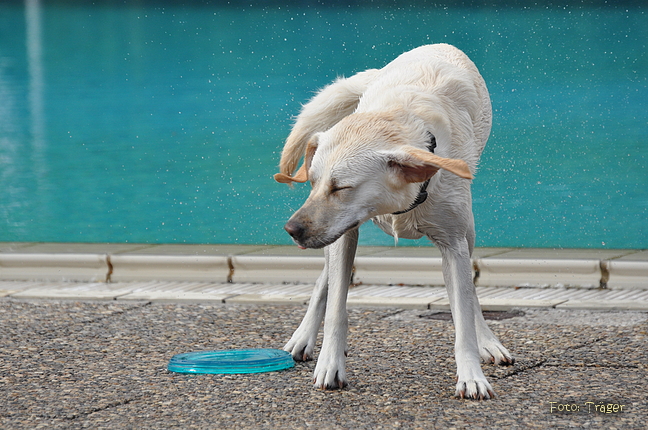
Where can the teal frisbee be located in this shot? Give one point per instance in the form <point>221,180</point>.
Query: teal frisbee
<point>231,361</point>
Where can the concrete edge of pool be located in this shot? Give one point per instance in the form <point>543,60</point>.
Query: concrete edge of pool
<point>384,276</point>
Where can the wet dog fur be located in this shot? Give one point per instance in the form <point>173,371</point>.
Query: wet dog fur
<point>365,147</point>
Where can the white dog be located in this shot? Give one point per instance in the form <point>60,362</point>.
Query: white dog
<point>398,145</point>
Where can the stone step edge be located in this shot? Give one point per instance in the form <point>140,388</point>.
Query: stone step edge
<point>491,271</point>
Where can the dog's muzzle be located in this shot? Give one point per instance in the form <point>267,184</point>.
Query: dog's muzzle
<point>297,231</point>
<point>304,237</point>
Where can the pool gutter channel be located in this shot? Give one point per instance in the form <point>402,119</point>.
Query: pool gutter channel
<point>289,278</point>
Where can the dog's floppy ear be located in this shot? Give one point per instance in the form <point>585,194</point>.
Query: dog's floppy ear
<point>417,165</point>
<point>301,175</point>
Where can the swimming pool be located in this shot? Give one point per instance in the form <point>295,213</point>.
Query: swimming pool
<point>159,123</point>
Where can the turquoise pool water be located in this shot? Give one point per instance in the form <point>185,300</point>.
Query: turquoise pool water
<point>156,122</point>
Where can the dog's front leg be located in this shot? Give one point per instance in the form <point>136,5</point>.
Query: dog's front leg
<point>471,382</point>
<point>330,369</point>
<point>302,343</point>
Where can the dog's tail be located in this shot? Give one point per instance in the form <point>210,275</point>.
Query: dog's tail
<point>322,112</point>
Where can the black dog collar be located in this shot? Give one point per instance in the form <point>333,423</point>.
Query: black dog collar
<point>422,195</point>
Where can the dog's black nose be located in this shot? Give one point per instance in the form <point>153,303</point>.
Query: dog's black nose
<point>295,229</point>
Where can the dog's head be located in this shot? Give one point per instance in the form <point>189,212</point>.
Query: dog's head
<point>361,168</point>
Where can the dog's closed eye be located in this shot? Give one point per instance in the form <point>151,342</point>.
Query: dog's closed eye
<point>334,188</point>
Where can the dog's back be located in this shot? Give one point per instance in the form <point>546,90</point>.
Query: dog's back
<point>441,70</point>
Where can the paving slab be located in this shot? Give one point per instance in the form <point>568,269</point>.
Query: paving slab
<point>14,246</point>
<point>8,288</point>
<point>267,299</point>
<point>566,254</point>
<point>75,291</point>
<point>187,249</point>
<point>75,248</point>
<point>399,252</point>
<point>488,304</point>
<point>284,251</point>
<point>636,256</point>
<point>175,297</point>
<point>391,302</point>
<point>177,292</point>
<point>397,291</point>
<point>604,305</point>
<point>490,252</point>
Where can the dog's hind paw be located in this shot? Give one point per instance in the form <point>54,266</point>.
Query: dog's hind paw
<point>475,390</point>
<point>493,352</point>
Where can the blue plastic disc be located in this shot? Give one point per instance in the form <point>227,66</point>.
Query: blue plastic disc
<point>231,361</point>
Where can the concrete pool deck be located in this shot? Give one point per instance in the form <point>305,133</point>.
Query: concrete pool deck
<point>82,351</point>
<point>78,364</point>
<point>384,276</point>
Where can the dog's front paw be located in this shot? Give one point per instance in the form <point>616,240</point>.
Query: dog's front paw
<point>476,389</point>
<point>330,372</point>
<point>492,351</point>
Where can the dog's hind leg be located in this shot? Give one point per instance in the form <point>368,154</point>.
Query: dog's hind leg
<point>330,371</point>
<point>302,343</point>
<point>490,348</point>
<point>471,382</point>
